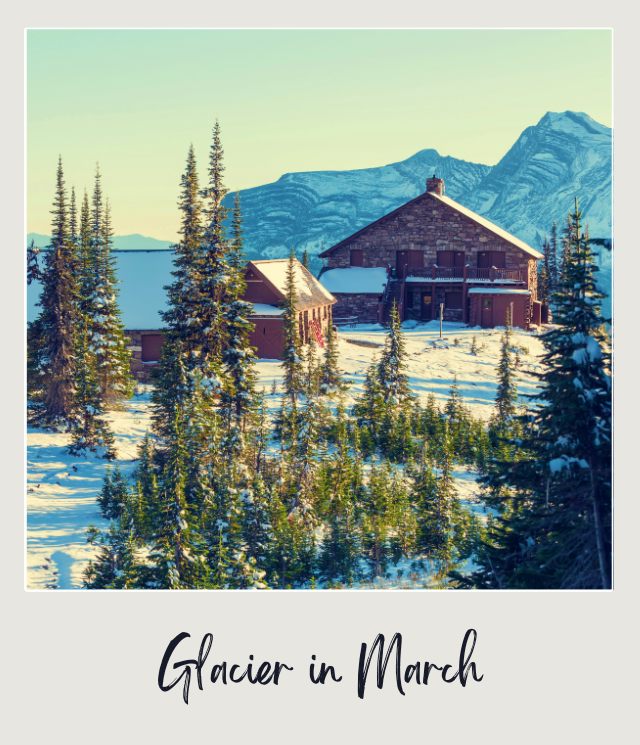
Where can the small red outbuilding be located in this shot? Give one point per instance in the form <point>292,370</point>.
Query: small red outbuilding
<point>266,289</point>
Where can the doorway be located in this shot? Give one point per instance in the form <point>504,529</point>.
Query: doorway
<point>486,315</point>
<point>426,306</point>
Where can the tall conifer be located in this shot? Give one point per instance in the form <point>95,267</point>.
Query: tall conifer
<point>53,378</point>
<point>184,293</point>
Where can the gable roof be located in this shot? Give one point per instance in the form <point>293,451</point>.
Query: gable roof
<point>310,292</point>
<point>487,224</point>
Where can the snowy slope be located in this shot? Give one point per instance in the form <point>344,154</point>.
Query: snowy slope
<point>62,490</point>
<point>61,497</point>
<point>563,156</point>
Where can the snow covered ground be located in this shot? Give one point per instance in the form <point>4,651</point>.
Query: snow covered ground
<point>433,362</point>
<point>61,497</point>
<point>62,489</point>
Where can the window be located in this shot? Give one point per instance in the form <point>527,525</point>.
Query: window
<point>450,259</point>
<point>356,257</point>
<point>487,259</point>
<point>453,300</point>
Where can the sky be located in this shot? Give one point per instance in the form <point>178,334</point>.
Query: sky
<point>293,100</point>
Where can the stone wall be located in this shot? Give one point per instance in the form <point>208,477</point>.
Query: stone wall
<point>533,278</point>
<point>428,225</point>
<point>365,307</point>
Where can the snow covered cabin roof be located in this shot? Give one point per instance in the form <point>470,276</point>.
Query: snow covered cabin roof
<point>460,209</point>
<point>142,277</point>
<point>310,292</point>
<point>497,291</point>
<point>355,280</point>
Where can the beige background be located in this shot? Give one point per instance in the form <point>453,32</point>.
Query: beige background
<point>559,667</point>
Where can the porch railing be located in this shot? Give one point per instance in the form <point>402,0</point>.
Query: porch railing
<point>467,273</point>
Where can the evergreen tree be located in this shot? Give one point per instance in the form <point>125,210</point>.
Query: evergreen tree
<point>177,555</point>
<point>213,266</point>
<point>553,260</point>
<point>293,551</point>
<point>184,291</point>
<point>392,363</point>
<point>376,521</point>
<point>117,565</point>
<point>33,267</point>
<point>306,261</point>
<point>371,410</point>
<point>89,430</point>
<point>52,362</point>
<point>146,489</point>
<point>236,246</point>
<point>289,419</point>
<point>113,357</point>
<point>341,486</point>
<point>256,522</point>
<point>238,357</point>
<point>442,507</point>
<point>565,256</point>
<point>554,526</point>
<point>114,496</point>
<point>87,271</point>
<point>544,272</point>
<point>292,354</point>
<point>507,394</point>
<point>330,374</point>
<point>173,386</point>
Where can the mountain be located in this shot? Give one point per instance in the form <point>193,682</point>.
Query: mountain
<point>565,155</point>
<point>314,210</point>
<point>131,242</point>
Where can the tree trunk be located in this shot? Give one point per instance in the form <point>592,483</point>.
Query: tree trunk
<point>603,562</point>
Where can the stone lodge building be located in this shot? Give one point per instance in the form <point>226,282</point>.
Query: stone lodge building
<point>433,255</point>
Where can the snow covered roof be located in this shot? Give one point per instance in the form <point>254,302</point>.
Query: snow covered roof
<point>142,276</point>
<point>355,280</point>
<point>262,309</point>
<point>310,292</point>
<point>487,224</point>
<point>497,291</point>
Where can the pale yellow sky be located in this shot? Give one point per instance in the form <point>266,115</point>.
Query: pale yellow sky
<point>286,101</point>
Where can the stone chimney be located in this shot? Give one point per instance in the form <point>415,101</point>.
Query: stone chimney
<point>435,185</point>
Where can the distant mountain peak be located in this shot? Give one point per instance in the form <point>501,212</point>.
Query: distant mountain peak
<point>572,122</point>
<point>129,242</point>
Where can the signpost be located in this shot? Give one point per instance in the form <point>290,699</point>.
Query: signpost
<point>441,316</point>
